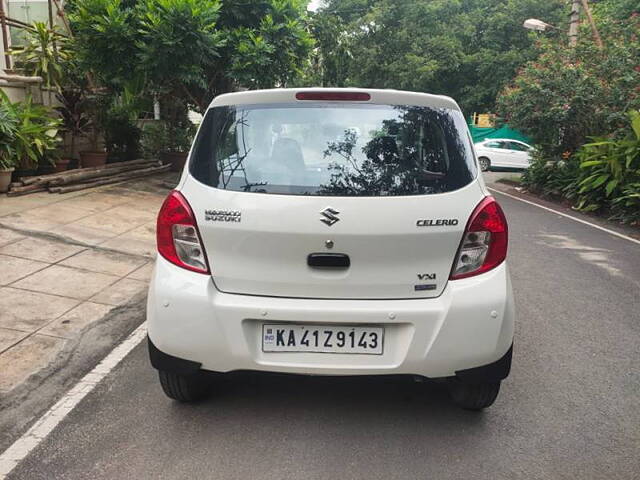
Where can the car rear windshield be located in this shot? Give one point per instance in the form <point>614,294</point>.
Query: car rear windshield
<point>333,149</point>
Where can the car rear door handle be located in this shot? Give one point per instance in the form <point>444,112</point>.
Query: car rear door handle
<point>330,260</point>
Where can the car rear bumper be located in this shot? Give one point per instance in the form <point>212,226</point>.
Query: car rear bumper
<point>469,326</point>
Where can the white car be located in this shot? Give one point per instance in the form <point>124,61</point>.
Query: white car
<point>332,232</point>
<point>503,153</point>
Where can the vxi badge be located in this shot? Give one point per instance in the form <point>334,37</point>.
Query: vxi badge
<point>440,222</point>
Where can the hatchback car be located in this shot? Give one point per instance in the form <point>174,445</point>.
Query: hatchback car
<point>332,232</point>
<point>503,153</point>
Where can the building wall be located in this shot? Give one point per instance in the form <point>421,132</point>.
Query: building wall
<point>3,63</point>
<point>27,11</point>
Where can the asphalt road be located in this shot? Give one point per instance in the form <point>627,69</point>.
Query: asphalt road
<point>570,409</point>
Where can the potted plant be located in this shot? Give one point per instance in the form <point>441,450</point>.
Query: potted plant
<point>6,170</point>
<point>170,144</point>
<point>121,133</point>
<point>34,138</point>
<point>8,129</point>
<point>97,156</point>
<point>180,138</point>
<point>76,122</point>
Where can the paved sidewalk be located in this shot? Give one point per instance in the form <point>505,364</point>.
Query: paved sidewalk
<point>66,261</point>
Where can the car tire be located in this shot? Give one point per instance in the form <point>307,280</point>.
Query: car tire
<point>184,388</point>
<point>473,396</point>
<point>485,164</point>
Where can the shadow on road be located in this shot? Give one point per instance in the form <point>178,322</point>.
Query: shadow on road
<point>353,402</point>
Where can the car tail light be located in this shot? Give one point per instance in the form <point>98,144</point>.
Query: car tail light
<point>484,244</point>
<point>178,237</point>
<point>344,96</point>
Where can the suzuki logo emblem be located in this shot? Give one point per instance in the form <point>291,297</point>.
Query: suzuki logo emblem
<point>330,216</point>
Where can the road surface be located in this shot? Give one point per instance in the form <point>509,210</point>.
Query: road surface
<point>570,409</point>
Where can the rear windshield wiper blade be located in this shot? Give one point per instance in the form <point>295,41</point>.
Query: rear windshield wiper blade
<point>428,175</point>
<point>249,186</point>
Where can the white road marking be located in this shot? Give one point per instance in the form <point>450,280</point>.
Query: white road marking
<point>10,458</point>
<point>579,220</point>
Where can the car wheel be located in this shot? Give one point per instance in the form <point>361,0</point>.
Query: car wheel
<point>485,164</point>
<point>473,396</point>
<point>185,388</point>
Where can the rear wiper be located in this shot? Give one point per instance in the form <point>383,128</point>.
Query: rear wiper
<point>429,175</point>
<point>249,186</point>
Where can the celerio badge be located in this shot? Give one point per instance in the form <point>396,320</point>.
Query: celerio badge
<point>439,222</point>
<point>330,216</point>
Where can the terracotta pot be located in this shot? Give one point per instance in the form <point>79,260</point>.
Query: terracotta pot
<point>176,159</point>
<point>62,165</point>
<point>93,159</point>
<point>5,179</point>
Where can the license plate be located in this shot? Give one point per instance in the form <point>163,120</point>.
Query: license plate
<point>322,339</point>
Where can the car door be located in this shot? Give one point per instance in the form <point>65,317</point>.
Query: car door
<point>498,156</point>
<point>519,154</point>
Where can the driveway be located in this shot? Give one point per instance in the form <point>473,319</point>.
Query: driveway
<point>570,409</point>
<point>74,271</point>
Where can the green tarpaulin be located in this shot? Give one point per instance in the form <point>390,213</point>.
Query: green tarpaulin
<point>478,134</point>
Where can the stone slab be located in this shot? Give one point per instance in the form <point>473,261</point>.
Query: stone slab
<point>143,273</point>
<point>29,311</point>
<point>120,292</point>
<point>73,322</point>
<point>8,236</point>
<point>42,250</point>
<point>27,357</point>
<point>67,281</point>
<point>9,337</point>
<point>105,262</point>
<point>13,268</point>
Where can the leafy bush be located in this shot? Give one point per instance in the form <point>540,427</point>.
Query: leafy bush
<point>603,176</point>
<point>551,177</point>
<point>8,130</point>
<point>43,54</point>
<point>160,137</point>
<point>610,174</point>
<point>626,207</point>
<point>122,135</point>
<point>154,140</point>
<point>35,136</point>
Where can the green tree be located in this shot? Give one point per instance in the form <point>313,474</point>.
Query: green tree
<point>568,94</point>
<point>178,43</point>
<point>466,49</point>
<point>331,63</point>
<point>580,107</point>
<point>191,49</point>
<point>616,9</point>
<point>106,34</point>
<point>271,52</point>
